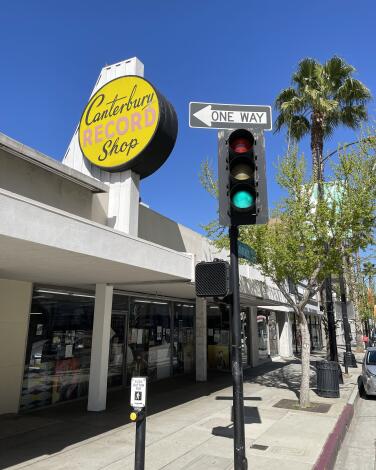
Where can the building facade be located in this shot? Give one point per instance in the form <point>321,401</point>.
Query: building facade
<point>96,287</point>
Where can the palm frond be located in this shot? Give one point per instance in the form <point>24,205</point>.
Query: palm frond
<point>353,91</point>
<point>336,70</point>
<point>285,95</point>
<point>352,116</point>
<point>307,73</point>
<point>299,126</point>
<point>281,121</point>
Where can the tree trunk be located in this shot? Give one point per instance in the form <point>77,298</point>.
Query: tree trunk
<point>304,400</point>
<point>317,145</point>
<point>325,322</point>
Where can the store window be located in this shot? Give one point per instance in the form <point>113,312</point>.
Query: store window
<point>119,319</point>
<point>218,337</point>
<point>262,330</point>
<point>183,338</point>
<point>315,332</point>
<point>57,361</point>
<point>149,339</point>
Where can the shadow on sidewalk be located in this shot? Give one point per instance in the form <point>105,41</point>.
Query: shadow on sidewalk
<point>45,432</point>
<point>285,376</point>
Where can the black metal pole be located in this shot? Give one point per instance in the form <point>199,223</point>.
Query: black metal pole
<point>331,320</point>
<point>348,356</point>
<point>139,461</point>
<point>240,459</point>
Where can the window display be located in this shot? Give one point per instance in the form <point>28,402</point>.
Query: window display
<point>149,344</point>
<point>218,337</point>
<point>58,350</point>
<point>183,338</point>
<point>262,330</point>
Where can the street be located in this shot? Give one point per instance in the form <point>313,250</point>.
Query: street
<point>358,448</point>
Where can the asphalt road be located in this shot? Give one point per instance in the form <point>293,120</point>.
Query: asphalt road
<point>358,450</point>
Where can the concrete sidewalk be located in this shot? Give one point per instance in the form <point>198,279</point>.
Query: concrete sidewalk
<point>189,427</point>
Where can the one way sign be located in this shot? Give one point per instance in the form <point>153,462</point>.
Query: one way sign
<point>229,116</point>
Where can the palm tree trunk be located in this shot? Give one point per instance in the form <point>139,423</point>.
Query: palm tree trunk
<point>304,399</point>
<point>317,145</point>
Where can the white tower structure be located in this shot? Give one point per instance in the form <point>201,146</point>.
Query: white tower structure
<point>124,197</point>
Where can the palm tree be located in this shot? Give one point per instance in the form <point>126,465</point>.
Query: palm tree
<point>321,98</point>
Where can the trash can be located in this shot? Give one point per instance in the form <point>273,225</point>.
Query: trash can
<point>327,379</point>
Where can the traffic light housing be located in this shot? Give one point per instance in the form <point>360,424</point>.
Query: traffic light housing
<point>242,177</point>
<point>212,278</point>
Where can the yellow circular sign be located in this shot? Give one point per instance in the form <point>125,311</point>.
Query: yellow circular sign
<point>119,122</point>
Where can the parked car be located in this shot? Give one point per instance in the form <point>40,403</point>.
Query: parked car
<point>369,371</point>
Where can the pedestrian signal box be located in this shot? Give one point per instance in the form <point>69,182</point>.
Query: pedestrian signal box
<point>212,279</point>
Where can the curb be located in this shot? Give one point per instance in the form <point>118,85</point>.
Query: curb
<point>327,458</point>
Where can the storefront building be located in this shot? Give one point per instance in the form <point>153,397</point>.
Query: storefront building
<point>96,287</point>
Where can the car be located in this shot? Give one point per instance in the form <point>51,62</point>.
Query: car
<point>369,371</point>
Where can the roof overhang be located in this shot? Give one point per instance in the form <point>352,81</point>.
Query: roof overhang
<point>42,244</point>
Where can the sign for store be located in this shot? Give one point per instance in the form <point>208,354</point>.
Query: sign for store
<point>138,392</point>
<point>128,124</point>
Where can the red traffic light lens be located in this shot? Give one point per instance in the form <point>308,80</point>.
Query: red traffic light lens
<point>241,145</point>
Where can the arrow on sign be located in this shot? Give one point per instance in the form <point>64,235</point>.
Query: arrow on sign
<point>227,116</point>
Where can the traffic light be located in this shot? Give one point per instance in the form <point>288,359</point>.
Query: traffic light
<point>242,178</point>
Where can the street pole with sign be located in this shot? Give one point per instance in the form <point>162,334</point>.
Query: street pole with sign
<point>138,415</point>
<point>242,201</point>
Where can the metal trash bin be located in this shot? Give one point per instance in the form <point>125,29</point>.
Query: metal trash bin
<point>327,379</point>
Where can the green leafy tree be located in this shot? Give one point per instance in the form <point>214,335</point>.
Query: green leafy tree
<point>306,239</point>
<point>321,98</point>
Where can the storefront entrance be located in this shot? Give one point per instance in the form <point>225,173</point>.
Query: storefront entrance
<point>149,337</point>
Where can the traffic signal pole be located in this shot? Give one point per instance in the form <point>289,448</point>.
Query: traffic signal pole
<point>240,458</point>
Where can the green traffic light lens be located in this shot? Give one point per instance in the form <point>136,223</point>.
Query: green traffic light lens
<point>242,200</point>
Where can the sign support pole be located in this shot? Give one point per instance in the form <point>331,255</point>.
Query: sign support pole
<point>139,461</point>
<point>138,402</point>
<point>240,459</point>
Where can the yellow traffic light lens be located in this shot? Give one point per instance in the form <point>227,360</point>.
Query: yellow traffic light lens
<point>133,416</point>
<point>241,172</point>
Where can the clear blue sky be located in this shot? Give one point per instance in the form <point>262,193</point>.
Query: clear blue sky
<point>216,51</point>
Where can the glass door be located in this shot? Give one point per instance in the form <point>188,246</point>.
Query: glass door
<point>149,340</point>
<point>117,348</point>
<point>118,341</point>
<point>183,338</point>
<point>218,325</point>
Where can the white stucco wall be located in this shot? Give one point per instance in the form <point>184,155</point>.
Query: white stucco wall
<point>32,181</point>
<point>15,300</point>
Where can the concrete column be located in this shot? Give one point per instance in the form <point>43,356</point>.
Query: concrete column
<point>254,341</point>
<point>123,202</point>
<point>201,340</point>
<point>15,300</point>
<point>285,339</point>
<point>100,348</point>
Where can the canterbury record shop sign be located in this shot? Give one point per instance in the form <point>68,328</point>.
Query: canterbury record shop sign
<point>128,124</point>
